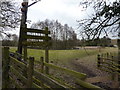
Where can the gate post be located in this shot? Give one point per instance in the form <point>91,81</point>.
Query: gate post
<point>30,72</point>
<point>115,82</point>
<point>5,67</point>
<point>25,46</point>
<point>46,52</point>
<point>42,64</point>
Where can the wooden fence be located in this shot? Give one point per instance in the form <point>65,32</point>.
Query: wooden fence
<point>23,75</point>
<point>108,62</point>
<point>36,38</point>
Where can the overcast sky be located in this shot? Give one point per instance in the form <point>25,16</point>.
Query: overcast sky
<point>65,11</point>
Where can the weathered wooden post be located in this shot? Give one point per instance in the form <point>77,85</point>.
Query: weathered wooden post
<point>113,74</point>
<point>115,82</point>
<point>46,51</point>
<point>118,42</point>
<point>30,72</point>
<point>25,53</point>
<point>98,63</point>
<point>42,68</point>
<point>23,24</point>
<point>117,77</point>
<point>0,65</point>
<point>25,45</point>
<point>5,68</point>
<point>107,55</point>
<point>42,64</point>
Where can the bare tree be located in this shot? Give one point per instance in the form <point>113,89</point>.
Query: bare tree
<point>62,36</point>
<point>9,16</point>
<point>104,20</point>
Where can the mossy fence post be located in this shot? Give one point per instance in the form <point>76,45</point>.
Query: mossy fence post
<point>5,68</point>
<point>30,72</point>
<point>111,66</point>
<point>46,51</point>
<point>25,46</point>
<point>42,64</point>
<point>42,68</point>
<point>115,82</point>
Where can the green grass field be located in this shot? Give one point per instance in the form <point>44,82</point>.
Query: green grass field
<point>70,59</point>
<point>60,57</point>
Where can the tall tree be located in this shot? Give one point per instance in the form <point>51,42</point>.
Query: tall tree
<point>104,20</point>
<point>12,40</point>
<point>62,35</point>
<point>9,15</point>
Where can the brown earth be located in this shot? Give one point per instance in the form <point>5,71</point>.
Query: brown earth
<point>94,75</point>
<point>89,67</point>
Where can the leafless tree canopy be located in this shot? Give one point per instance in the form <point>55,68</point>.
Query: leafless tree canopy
<point>104,20</point>
<point>63,36</point>
<point>9,15</point>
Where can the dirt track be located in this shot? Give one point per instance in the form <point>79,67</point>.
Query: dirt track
<point>82,68</point>
<point>85,65</point>
<point>90,68</point>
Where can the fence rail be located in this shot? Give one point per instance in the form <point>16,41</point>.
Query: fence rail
<point>71,72</point>
<point>109,63</point>
<point>25,76</point>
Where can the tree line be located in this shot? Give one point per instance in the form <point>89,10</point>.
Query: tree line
<point>10,40</point>
<point>63,36</point>
<point>103,42</point>
<point>104,20</point>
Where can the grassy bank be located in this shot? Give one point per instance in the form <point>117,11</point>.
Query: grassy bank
<point>64,56</point>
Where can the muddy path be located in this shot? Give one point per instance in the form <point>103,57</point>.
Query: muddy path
<point>90,69</point>
<point>87,65</point>
<point>82,68</point>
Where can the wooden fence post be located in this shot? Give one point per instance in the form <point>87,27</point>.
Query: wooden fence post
<point>107,55</point>
<point>98,63</point>
<point>42,69</point>
<point>115,77</point>
<point>42,64</point>
<point>25,53</point>
<point>25,46</point>
<point>113,74</point>
<point>5,68</point>
<point>46,52</point>
<point>30,72</point>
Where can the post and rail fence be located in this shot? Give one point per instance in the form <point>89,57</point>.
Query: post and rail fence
<point>108,62</point>
<point>19,69</point>
<point>26,76</point>
<point>37,38</point>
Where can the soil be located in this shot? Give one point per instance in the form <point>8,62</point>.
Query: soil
<point>83,69</point>
<point>90,69</point>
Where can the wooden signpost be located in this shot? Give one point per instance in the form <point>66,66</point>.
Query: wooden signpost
<point>26,39</point>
